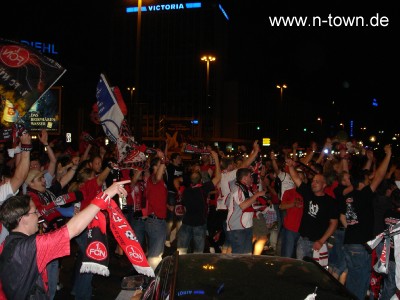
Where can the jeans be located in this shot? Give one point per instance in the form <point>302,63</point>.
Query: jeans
<point>242,240</point>
<point>389,280</point>
<point>337,259</point>
<point>138,226</point>
<point>82,287</point>
<point>289,242</point>
<point>187,233</point>
<point>358,262</point>
<point>170,215</point>
<point>52,272</point>
<point>227,240</point>
<point>304,248</point>
<point>155,229</point>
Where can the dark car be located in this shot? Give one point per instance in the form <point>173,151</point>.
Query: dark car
<point>236,276</point>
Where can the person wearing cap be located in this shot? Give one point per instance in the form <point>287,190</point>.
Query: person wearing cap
<point>26,254</point>
<point>47,202</point>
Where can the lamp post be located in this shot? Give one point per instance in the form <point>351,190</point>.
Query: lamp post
<point>136,121</point>
<point>131,109</point>
<point>281,87</point>
<point>207,59</point>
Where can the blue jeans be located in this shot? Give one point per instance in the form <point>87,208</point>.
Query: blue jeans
<point>82,287</point>
<point>389,280</point>
<point>138,226</point>
<point>242,240</point>
<point>358,262</point>
<point>227,240</point>
<point>156,233</point>
<point>289,242</point>
<point>304,248</point>
<point>337,259</point>
<point>187,233</point>
<point>52,273</point>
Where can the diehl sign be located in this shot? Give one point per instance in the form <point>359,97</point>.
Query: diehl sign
<point>42,47</point>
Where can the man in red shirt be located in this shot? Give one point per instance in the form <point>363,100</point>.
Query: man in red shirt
<point>26,254</point>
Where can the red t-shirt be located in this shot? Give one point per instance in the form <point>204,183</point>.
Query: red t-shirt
<point>293,215</point>
<point>329,189</point>
<point>49,246</point>
<point>90,190</point>
<point>156,195</point>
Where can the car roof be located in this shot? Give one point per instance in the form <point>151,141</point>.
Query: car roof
<point>236,276</point>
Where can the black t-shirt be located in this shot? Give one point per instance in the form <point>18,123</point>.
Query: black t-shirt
<point>359,214</point>
<point>195,201</point>
<point>340,200</point>
<point>20,250</point>
<point>317,213</point>
<point>172,173</point>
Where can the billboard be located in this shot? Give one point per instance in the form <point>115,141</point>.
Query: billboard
<point>45,113</point>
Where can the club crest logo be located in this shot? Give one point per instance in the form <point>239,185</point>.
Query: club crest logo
<point>135,254</point>
<point>14,56</point>
<point>97,251</point>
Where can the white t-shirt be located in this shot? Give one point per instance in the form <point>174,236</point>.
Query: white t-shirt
<point>237,218</point>
<point>5,192</point>
<point>224,188</point>
<point>287,182</point>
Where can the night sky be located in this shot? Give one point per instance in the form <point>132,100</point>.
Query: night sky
<point>332,72</point>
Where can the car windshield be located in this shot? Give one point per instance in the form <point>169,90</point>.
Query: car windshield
<point>230,277</point>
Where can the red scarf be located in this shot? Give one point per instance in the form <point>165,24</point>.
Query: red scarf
<point>97,255</point>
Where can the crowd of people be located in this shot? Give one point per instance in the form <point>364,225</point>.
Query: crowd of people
<point>326,203</point>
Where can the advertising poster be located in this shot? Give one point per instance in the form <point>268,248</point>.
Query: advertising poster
<point>45,113</point>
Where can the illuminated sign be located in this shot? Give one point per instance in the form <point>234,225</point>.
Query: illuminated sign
<point>42,47</point>
<point>164,7</point>
<point>266,141</point>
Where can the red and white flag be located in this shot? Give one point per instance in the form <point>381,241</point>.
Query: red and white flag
<point>25,76</point>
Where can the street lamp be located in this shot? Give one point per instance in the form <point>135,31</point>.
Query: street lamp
<point>137,121</point>
<point>281,87</point>
<point>207,59</point>
<point>320,121</point>
<point>130,89</point>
